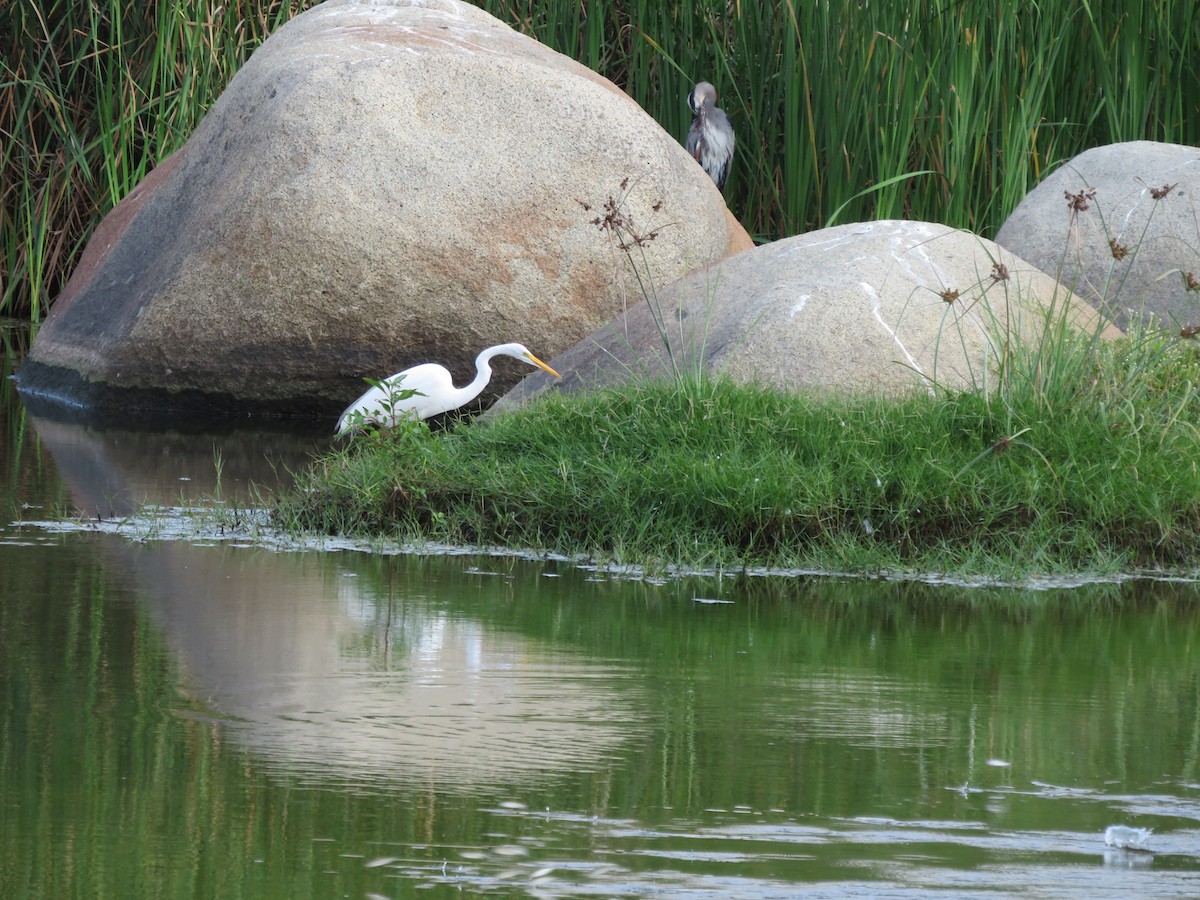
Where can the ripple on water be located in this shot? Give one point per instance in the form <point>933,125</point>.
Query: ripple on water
<point>770,857</point>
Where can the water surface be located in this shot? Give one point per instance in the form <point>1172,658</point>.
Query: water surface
<point>210,717</point>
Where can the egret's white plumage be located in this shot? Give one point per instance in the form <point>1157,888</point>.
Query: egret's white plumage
<point>435,388</point>
<point>710,139</point>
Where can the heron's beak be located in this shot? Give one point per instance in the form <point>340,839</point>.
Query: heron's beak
<point>541,365</point>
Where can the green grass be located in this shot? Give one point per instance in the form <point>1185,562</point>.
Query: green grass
<point>844,111</point>
<point>1097,474</point>
<point>1069,454</point>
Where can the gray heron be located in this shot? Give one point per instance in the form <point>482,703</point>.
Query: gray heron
<point>710,139</point>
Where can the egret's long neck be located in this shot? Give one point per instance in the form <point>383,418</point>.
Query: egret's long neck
<point>483,374</point>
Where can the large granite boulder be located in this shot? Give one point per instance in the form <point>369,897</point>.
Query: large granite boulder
<point>875,307</point>
<point>1119,225</point>
<point>381,184</point>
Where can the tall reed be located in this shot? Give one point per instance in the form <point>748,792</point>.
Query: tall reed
<point>844,109</point>
<point>92,96</point>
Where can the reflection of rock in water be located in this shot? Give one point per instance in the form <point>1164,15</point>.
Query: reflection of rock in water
<point>313,674</point>
<point>322,680</point>
<point>865,709</point>
<point>466,708</point>
<point>110,472</point>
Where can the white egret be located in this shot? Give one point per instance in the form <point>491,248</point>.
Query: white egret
<point>435,389</point>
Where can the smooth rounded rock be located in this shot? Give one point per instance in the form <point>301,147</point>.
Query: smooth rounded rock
<point>382,184</point>
<point>874,307</point>
<point>1119,225</point>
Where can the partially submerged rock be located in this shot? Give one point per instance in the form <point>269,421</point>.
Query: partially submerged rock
<point>880,307</point>
<point>1119,225</point>
<point>380,185</point>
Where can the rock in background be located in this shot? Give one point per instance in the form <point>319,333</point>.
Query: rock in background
<point>1119,225</point>
<point>878,307</point>
<point>380,185</point>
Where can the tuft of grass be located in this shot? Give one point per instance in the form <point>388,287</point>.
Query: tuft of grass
<point>704,472</point>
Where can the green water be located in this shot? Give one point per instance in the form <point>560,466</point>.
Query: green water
<point>211,718</point>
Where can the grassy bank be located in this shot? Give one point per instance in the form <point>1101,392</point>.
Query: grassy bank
<point>947,112</point>
<point>1092,468</point>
